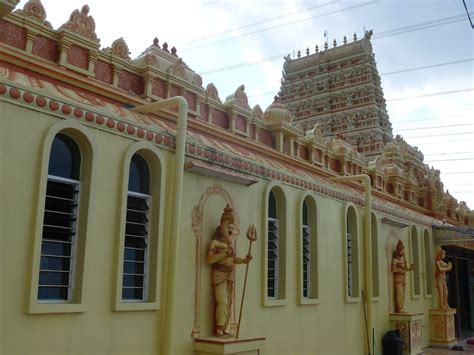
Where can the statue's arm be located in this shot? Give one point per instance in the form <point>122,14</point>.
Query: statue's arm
<point>395,267</point>
<point>443,267</point>
<point>216,253</point>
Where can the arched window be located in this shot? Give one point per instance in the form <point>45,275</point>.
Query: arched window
<point>273,248</point>
<point>429,277</point>
<point>375,258</point>
<point>276,246</point>
<point>60,221</point>
<point>309,250</point>
<point>415,260</point>
<point>136,252</point>
<point>352,253</point>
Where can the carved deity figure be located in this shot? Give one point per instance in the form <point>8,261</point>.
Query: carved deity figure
<point>440,278</point>
<point>221,255</point>
<point>399,269</point>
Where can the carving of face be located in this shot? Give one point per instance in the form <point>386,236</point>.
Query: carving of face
<point>229,228</point>
<point>401,251</point>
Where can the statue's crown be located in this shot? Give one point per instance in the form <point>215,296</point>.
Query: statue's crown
<point>400,245</point>
<point>227,215</point>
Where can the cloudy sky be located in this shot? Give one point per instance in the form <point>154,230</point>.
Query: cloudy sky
<point>424,51</point>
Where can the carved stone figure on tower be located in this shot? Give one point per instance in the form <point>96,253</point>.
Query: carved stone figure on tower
<point>221,255</point>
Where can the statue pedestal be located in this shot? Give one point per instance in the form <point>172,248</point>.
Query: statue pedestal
<point>409,325</point>
<point>442,328</point>
<point>228,346</point>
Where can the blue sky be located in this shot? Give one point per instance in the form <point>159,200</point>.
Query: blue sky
<point>259,29</point>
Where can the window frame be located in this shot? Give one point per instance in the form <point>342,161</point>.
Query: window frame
<point>73,242</point>
<point>282,208</point>
<point>313,218</point>
<point>87,147</point>
<point>355,247</point>
<point>428,265</point>
<point>157,170</point>
<point>375,257</point>
<point>146,256</point>
<point>415,259</point>
<point>276,259</point>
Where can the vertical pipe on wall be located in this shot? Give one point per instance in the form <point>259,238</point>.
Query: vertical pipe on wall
<point>181,103</point>
<point>365,179</point>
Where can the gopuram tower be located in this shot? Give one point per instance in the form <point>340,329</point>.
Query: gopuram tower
<point>339,89</point>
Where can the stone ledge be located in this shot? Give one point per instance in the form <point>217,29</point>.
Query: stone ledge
<point>229,346</point>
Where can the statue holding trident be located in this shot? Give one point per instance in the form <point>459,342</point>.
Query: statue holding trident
<point>221,255</point>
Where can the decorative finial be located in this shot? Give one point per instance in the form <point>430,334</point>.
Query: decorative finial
<point>344,40</point>
<point>276,99</point>
<point>355,36</point>
<point>316,49</point>
<point>165,47</point>
<point>174,51</point>
<point>155,42</point>
<point>334,43</point>
<point>299,53</point>
<point>85,9</point>
<point>325,45</point>
<point>307,51</point>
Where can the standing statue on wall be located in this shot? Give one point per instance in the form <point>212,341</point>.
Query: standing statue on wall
<point>221,255</point>
<point>440,278</point>
<point>399,269</point>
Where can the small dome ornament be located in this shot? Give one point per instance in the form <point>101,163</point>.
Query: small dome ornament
<point>277,112</point>
<point>316,49</point>
<point>326,46</point>
<point>355,37</point>
<point>334,43</point>
<point>344,40</point>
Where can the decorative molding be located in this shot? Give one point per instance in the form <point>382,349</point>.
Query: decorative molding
<point>257,112</point>
<point>35,10</point>
<point>120,48</point>
<point>81,23</point>
<point>212,92</point>
<point>178,69</point>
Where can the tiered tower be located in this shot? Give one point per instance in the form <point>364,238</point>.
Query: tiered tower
<point>339,89</point>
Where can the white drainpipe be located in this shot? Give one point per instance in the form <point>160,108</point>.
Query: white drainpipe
<point>365,179</point>
<point>181,103</point>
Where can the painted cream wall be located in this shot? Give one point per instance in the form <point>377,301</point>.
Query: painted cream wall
<point>98,330</point>
<point>330,327</point>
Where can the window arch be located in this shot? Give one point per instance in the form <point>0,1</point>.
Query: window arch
<point>415,257</point>
<point>66,182</point>
<point>275,246</point>
<point>308,251</point>
<point>375,257</point>
<point>140,231</point>
<point>429,276</point>
<point>351,256</point>
<point>136,252</point>
<point>58,242</point>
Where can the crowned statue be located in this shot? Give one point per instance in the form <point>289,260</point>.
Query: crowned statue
<point>440,278</point>
<point>221,255</point>
<point>399,270</point>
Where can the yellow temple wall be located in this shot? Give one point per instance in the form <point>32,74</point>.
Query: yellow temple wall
<point>331,326</point>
